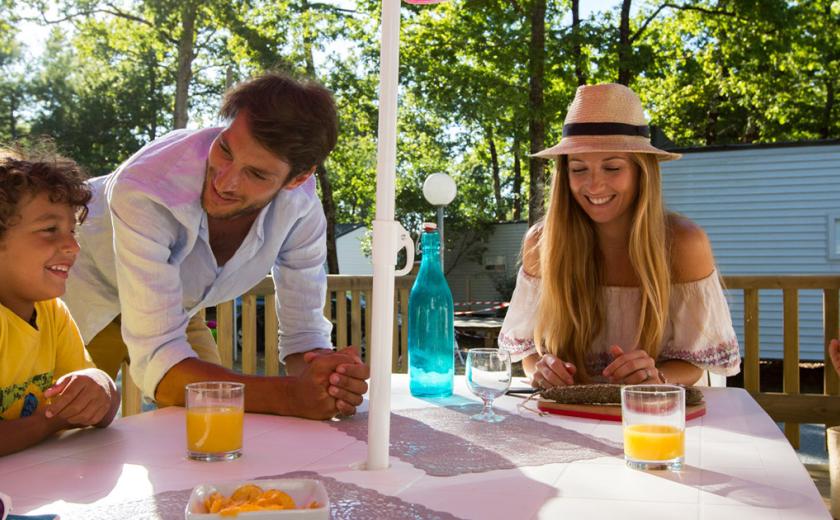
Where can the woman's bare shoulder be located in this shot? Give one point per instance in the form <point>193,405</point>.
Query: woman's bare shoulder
<point>531,250</point>
<point>691,252</point>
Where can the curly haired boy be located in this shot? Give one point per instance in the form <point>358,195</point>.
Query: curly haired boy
<point>47,380</point>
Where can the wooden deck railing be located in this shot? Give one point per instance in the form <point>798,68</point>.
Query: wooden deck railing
<point>348,306</point>
<point>790,406</point>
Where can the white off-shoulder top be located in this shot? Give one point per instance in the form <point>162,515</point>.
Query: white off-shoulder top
<point>699,328</point>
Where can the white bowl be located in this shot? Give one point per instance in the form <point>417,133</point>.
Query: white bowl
<point>303,491</point>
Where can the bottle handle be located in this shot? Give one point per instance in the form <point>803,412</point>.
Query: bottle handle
<point>405,242</point>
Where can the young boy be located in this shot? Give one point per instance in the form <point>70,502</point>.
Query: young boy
<point>47,380</point>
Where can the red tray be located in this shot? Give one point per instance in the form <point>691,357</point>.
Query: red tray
<point>611,412</point>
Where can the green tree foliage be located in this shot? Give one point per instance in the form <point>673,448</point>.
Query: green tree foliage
<point>467,62</point>
<point>759,73</point>
<point>98,115</point>
<point>709,71</point>
<point>13,81</point>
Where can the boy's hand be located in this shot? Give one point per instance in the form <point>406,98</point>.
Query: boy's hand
<point>82,398</point>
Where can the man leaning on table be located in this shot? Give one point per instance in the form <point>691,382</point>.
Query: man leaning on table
<point>198,217</point>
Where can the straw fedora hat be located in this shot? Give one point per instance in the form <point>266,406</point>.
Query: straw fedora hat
<point>605,118</point>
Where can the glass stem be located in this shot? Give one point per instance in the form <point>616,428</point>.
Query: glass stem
<point>488,407</point>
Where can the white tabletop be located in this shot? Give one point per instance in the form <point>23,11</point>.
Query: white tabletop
<point>738,465</point>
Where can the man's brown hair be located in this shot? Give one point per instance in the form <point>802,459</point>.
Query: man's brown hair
<point>30,171</point>
<point>295,120</point>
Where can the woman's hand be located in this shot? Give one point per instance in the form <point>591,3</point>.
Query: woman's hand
<point>551,371</point>
<point>631,368</point>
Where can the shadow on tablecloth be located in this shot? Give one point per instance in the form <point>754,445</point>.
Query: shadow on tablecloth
<point>444,441</point>
<point>747,492</point>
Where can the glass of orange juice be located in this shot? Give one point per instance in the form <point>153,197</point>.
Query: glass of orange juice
<point>653,417</point>
<point>215,413</point>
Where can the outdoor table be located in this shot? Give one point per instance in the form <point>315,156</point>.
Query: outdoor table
<point>738,465</point>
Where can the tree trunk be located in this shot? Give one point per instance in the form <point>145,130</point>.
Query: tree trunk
<point>625,51</point>
<point>831,82</point>
<point>713,111</point>
<point>153,108</point>
<point>228,77</point>
<point>327,201</point>
<point>710,131</point>
<point>497,183</point>
<point>825,130</point>
<point>536,110</point>
<point>577,55</point>
<point>517,181</point>
<point>185,58</point>
<point>12,116</point>
<point>329,213</point>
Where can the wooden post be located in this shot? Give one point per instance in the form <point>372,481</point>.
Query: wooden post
<point>272,359</point>
<point>340,319</point>
<point>356,319</point>
<point>751,342</point>
<point>831,317</point>
<point>224,332</point>
<point>791,361</point>
<point>368,321</point>
<point>249,334</point>
<point>395,342</point>
<point>404,329</point>
<point>132,397</point>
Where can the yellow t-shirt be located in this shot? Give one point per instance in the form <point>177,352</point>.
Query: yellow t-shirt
<point>32,359</point>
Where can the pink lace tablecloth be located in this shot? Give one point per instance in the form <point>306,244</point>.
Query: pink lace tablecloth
<point>444,441</point>
<point>347,502</point>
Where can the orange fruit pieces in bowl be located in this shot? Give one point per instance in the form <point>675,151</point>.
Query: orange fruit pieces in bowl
<point>250,497</point>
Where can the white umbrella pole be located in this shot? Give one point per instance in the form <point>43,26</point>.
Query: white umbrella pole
<point>385,242</point>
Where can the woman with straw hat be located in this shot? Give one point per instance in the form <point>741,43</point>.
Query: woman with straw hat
<point>613,287</point>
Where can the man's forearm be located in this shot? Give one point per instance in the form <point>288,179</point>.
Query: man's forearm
<point>273,395</point>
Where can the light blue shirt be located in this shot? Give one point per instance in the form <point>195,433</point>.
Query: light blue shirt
<point>145,255</point>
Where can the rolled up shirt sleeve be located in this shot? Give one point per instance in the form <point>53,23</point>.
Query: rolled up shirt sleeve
<point>517,334</point>
<point>300,284</point>
<point>151,297</point>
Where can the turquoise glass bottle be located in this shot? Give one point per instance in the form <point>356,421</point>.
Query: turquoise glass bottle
<point>431,324</point>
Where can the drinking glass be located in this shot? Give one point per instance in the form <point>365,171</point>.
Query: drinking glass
<point>215,413</point>
<point>488,376</point>
<point>653,417</point>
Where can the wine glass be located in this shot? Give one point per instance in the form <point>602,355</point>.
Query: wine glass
<point>488,376</point>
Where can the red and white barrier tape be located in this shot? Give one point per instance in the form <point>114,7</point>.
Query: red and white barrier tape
<point>500,305</point>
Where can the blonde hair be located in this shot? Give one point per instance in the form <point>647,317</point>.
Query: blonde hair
<point>570,312</point>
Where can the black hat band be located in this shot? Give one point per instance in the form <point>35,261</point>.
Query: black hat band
<point>573,129</point>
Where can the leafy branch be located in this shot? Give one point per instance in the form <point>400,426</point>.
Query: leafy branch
<point>704,10</point>
<point>110,9</point>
